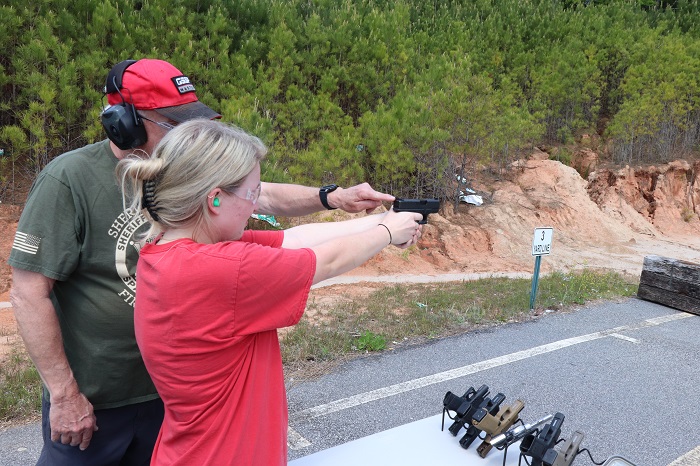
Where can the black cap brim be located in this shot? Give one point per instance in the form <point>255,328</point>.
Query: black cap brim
<point>181,113</point>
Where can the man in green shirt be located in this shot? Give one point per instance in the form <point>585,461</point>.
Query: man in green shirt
<point>74,258</point>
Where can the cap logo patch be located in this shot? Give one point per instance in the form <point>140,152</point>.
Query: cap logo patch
<point>183,84</point>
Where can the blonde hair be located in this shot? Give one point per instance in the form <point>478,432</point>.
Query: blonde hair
<point>191,160</point>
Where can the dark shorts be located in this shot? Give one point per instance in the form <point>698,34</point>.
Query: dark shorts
<point>126,436</point>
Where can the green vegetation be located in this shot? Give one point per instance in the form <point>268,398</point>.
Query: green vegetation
<point>400,93</point>
<point>20,387</point>
<point>369,341</point>
<point>396,313</point>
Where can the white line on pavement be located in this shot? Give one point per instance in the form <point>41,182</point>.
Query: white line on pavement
<point>295,441</point>
<point>692,458</point>
<point>624,337</point>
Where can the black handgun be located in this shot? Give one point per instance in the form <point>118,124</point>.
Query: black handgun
<point>490,406</point>
<point>421,206</point>
<point>535,446</point>
<point>463,406</point>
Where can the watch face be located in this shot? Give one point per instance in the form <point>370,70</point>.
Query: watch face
<point>329,188</point>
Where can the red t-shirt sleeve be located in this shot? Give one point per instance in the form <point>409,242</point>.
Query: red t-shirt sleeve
<point>273,283</point>
<point>265,237</point>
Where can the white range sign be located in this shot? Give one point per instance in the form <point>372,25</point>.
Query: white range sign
<point>542,241</point>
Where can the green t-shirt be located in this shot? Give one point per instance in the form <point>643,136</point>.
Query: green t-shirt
<point>73,229</point>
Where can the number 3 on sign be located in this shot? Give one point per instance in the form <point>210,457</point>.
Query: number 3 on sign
<point>542,241</point>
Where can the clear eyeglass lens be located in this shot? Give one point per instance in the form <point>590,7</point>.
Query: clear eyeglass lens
<point>253,195</point>
<point>165,125</point>
<point>162,124</point>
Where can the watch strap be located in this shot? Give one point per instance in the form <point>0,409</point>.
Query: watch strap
<point>323,195</point>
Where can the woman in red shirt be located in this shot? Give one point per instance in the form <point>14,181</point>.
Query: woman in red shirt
<point>211,295</point>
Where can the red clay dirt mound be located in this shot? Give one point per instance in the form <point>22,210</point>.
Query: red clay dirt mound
<point>667,197</point>
<point>610,221</point>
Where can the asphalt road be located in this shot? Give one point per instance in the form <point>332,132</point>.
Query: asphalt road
<point>625,374</point>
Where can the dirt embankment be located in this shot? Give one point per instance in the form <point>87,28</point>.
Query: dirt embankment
<point>609,221</point>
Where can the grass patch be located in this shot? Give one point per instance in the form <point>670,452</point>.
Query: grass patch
<point>20,387</point>
<point>393,313</point>
<point>369,341</point>
<point>418,311</point>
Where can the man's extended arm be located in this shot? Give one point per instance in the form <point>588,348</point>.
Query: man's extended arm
<point>291,200</point>
<point>71,416</point>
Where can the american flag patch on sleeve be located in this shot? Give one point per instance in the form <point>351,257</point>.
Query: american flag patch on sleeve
<point>26,243</point>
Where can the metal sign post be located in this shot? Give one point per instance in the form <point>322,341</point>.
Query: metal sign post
<point>541,246</point>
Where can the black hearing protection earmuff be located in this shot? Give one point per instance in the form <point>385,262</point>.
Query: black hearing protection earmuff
<point>122,123</point>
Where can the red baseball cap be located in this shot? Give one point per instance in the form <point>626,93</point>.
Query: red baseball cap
<point>150,84</point>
